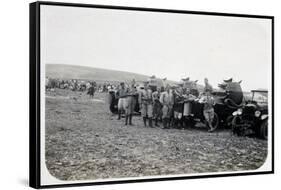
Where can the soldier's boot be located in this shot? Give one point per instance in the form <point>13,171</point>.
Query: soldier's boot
<point>144,121</point>
<point>126,120</point>
<point>150,122</point>
<point>130,119</point>
<point>211,127</point>
<point>170,122</point>
<point>119,115</point>
<point>156,122</point>
<point>181,123</point>
<point>164,123</point>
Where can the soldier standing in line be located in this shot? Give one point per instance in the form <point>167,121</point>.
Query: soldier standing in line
<point>178,107</point>
<point>91,90</point>
<point>208,110</point>
<point>157,107</point>
<point>145,102</point>
<point>130,103</point>
<point>166,99</point>
<point>207,87</point>
<point>121,94</point>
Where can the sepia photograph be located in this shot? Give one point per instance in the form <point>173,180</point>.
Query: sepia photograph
<point>129,94</point>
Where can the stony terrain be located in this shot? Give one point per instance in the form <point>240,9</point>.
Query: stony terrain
<point>85,141</point>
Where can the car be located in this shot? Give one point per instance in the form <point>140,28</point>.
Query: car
<point>252,118</point>
<point>228,100</point>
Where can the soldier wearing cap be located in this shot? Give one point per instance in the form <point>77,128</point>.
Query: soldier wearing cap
<point>157,107</point>
<point>130,103</point>
<point>178,106</point>
<point>121,94</point>
<point>145,102</point>
<point>167,101</point>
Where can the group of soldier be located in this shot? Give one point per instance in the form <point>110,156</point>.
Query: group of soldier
<point>168,103</point>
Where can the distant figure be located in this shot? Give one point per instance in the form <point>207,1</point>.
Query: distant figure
<point>208,87</point>
<point>91,90</point>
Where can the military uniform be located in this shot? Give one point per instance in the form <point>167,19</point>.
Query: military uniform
<point>157,107</point>
<point>178,107</point>
<point>130,103</point>
<point>145,100</point>
<point>208,110</point>
<point>167,101</point>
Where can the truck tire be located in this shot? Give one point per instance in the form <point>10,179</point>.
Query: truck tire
<point>264,129</point>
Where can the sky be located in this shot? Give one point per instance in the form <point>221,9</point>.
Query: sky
<point>168,45</point>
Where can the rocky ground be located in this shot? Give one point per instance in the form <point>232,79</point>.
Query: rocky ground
<point>85,141</point>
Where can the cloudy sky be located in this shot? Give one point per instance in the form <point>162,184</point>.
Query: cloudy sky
<point>163,44</point>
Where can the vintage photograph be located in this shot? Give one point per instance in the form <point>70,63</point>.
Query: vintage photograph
<point>129,94</point>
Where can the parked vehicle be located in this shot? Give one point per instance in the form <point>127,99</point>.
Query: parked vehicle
<point>228,100</point>
<point>198,116</point>
<point>252,118</point>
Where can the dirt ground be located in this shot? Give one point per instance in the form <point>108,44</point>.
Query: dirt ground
<point>85,141</point>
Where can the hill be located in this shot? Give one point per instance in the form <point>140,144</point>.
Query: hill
<point>89,73</point>
<point>63,71</point>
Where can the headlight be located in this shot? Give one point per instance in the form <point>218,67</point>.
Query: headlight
<point>257,113</point>
<point>239,111</point>
<point>264,117</point>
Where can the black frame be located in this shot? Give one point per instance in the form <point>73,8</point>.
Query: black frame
<point>34,92</point>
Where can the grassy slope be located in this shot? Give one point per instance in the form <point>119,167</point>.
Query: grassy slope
<point>90,73</point>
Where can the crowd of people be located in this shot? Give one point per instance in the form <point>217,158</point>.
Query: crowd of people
<point>169,103</point>
<point>78,85</point>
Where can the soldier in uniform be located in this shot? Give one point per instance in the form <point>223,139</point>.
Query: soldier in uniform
<point>130,103</point>
<point>157,107</point>
<point>145,102</point>
<point>121,94</point>
<point>208,110</point>
<point>167,101</point>
<point>178,107</point>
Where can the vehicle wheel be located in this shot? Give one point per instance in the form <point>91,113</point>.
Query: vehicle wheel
<point>235,121</point>
<point>228,121</point>
<point>264,129</point>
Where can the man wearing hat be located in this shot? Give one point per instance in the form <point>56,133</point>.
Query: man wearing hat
<point>167,101</point>
<point>208,109</point>
<point>208,87</point>
<point>157,107</point>
<point>130,103</point>
<point>145,102</point>
<point>121,94</point>
<point>178,106</point>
